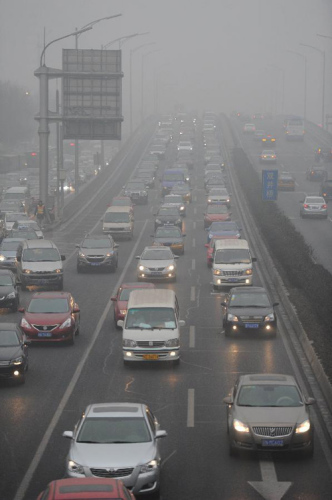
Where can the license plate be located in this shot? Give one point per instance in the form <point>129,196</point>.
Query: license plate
<point>272,442</point>
<point>44,334</point>
<point>95,263</point>
<point>233,280</point>
<point>42,282</point>
<point>156,273</point>
<point>150,356</point>
<point>251,325</point>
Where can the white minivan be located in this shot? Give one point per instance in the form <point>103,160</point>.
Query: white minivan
<point>232,263</point>
<point>151,328</point>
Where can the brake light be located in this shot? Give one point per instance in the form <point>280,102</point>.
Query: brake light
<point>324,206</point>
<point>305,205</point>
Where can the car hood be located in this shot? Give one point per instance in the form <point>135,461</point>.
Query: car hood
<point>46,318</point>
<point>216,217</point>
<point>156,263</point>
<point>271,416</point>
<point>250,311</point>
<point>112,455</point>
<point>9,353</point>
<point>8,253</point>
<point>42,266</point>
<point>5,290</point>
<point>96,251</point>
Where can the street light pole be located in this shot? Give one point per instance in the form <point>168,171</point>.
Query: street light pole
<point>123,39</point>
<point>322,53</point>
<point>305,81</point>
<point>142,84</point>
<point>132,51</point>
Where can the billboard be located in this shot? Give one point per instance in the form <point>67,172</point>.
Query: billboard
<point>269,185</point>
<point>92,94</point>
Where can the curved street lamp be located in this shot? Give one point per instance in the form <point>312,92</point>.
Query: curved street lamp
<point>123,39</point>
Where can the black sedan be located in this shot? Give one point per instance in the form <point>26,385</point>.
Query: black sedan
<point>168,216</point>
<point>13,353</point>
<point>316,174</point>
<point>170,236</point>
<point>9,295</point>
<point>248,311</point>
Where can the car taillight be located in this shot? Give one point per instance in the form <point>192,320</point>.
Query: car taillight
<point>305,205</point>
<point>324,206</point>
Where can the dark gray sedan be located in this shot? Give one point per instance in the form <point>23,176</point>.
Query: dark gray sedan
<point>269,412</point>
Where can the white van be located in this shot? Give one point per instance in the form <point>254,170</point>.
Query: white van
<point>119,221</point>
<point>151,328</point>
<point>38,262</point>
<point>232,263</point>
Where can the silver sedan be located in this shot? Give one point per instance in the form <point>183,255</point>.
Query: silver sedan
<point>313,206</point>
<point>269,412</point>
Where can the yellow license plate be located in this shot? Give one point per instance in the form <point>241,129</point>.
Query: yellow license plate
<point>150,356</point>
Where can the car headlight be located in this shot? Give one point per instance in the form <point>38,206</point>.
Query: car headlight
<point>26,271</point>
<point>231,317</point>
<point>81,254</point>
<point>109,254</point>
<point>303,427</point>
<point>158,221</point>
<point>65,324</point>
<point>269,317</point>
<point>216,272</point>
<point>248,271</point>
<point>58,271</point>
<point>171,268</point>
<point>209,200</point>
<point>17,361</point>
<point>76,468</point>
<point>152,465</point>
<point>129,343</point>
<point>11,295</point>
<point>25,324</point>
<point>172,343</point>
<point>240,427</point>
<point>123,311</point>
<point>181,208</point>
<point>141,268</point>
<point>2,258</point>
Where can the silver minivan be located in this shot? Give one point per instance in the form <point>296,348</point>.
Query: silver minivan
<point>38,262</point>
<point>232,263</point>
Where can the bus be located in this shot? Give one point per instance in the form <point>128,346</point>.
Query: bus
<point>294,128</point>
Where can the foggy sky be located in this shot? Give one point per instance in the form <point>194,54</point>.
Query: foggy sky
<point>209,54</point>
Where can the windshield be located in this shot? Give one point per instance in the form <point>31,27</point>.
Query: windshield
<point>232,256</point>
<point>217,209</point>
<point>164,232</point>
<point>122,203</point>
<point>217,191</point>
<point>114,430</point>
<point>15,217</point>
<point>269,395</point>
<point>117,217</point>
<point>151,318</point>
<point>41,255</point>
<point>176,176</point>
<point>154,254</point>
<point>9,246</point>
<point>52,305</point>
<point>22,225</point>
<point>249,300</point>
<point>14,196</point>
<point>8,338</point>
<point>314,200</point>
<point>100,243</point>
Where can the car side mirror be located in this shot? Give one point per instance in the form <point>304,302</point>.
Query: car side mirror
<point>116,245</point>
<point>120,323</point>
<point>114,299</point>
<point>101,220</point>
<point>310,401</point>
<point>182,322</point>
<point>77,246</point>
<point>21,309</point>
<point>63,257</point>
<point>228,400</point>
<point>27,342</point>
<point>76,310</point>
<point>206,245</point>
<point>137,257</point>
<point>184,234</point>
<point>223,304</point>
<point>275,304</point>
<point>160,434</point>
<point>176,256</point>
<point>68,434</point>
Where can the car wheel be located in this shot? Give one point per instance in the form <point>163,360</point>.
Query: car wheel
<point>116,322</point>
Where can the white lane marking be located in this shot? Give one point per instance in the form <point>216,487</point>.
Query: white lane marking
<point>192,334</point>
<point>70,388</point>
<point>193,264</point>
<point>192,294</point>
<point>194,241</point>
<point>270,488</point>
<point>190,410</point>
<point>194,225</point>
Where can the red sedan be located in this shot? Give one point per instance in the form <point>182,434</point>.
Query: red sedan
<point>210,248</point>
<point>51,316</point>
<point>87,488</point>
<point>121,298</point>
<point>216,213</point>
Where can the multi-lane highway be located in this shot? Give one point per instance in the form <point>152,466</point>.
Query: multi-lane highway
<point>187,399</point>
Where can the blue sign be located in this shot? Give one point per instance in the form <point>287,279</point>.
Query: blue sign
<point>269,185</point>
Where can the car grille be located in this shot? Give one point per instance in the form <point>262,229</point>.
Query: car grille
<point>42,272</point>
<point>4,363</point>
<point>45,328</point>
<point>150,343</point>
<point>233,273</point>
<point>251,319</point>
<point>95,258</point>
<point>272,431</point>
<point>156,268</point>
<point>112,472</point>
